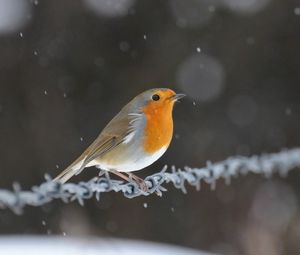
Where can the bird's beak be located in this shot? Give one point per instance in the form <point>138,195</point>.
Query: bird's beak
<point>176,97</point>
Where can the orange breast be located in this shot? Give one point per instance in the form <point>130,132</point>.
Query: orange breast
<point>159,126</point>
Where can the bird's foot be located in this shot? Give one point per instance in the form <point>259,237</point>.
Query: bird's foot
<point>101,172</point>
<point>140,182</point>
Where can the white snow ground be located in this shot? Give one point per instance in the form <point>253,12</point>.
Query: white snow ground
<point>37,245</point>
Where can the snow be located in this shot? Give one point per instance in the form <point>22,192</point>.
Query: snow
<point>61,245</point>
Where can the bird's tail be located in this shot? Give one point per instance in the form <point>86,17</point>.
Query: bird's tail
<point>75,168</point>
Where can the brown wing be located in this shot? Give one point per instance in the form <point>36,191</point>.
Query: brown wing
<point>111,136</point>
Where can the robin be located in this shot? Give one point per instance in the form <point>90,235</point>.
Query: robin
<point>135,138</point>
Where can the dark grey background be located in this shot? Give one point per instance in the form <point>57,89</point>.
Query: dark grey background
<point>69,67</point>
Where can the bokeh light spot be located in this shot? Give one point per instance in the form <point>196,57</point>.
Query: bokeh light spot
<point>201,77</point>
<point>14,14</point>
<point>109,8</point>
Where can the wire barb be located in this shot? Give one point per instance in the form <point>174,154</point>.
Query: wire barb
<point>267,164</point>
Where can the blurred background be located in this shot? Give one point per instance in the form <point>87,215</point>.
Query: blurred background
<point>68,66</point>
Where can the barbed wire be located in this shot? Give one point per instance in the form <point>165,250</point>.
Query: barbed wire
<point>267,164</point>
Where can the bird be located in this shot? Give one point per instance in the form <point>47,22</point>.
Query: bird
<point>134,139</point>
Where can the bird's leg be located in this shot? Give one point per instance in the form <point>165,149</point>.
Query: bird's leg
<point>140,182</point>
<point>101,172</point>
<point>123,176</point>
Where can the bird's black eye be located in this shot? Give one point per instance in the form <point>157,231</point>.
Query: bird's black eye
<point>155,97</point>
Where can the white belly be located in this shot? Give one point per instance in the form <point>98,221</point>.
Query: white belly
<point>134,162</point>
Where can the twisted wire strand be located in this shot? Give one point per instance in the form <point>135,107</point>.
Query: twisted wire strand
<point>267,164</point>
